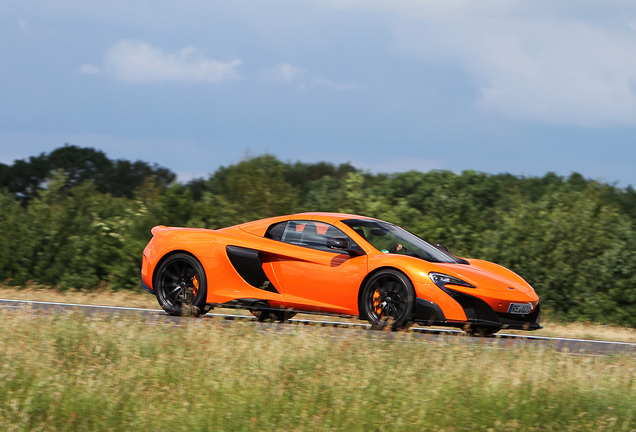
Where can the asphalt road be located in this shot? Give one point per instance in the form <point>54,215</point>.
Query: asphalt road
<point>341,329</point>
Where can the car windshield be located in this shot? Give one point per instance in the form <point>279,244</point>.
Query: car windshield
<point>389,238</point>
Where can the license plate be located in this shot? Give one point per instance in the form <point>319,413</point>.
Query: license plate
<point>520,308</point>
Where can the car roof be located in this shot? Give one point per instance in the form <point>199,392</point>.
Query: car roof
<point>328,217</point>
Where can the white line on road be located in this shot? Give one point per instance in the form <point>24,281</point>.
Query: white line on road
<point>334,323</point>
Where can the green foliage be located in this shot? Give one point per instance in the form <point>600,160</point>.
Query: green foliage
<point>256,188</point>
<point>571,238</point>
<point>118,178</point>
<point>71,239</point>
<point>577,251</point>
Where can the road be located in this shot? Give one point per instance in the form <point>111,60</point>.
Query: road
<point>500,340</point>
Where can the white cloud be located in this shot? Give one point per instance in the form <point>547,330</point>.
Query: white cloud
<point>570,63</point>
<point>137,61</point>
<point>327,83</point>
<point>89,69</point>
<point>556,70</point>
<point>285,73</point>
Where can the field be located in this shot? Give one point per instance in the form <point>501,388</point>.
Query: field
<point>72,372</point>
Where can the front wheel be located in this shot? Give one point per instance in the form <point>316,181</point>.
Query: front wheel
<point>181,285</point>
<point>388,298</point>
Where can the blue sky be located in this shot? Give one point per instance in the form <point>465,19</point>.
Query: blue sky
<point>387,85</point>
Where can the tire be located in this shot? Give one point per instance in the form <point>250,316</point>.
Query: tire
<point>181,285</point>
<point>388,298</point>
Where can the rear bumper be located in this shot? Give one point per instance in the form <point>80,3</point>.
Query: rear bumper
<point>146,287</point>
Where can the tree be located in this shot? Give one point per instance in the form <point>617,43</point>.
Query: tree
<point>575,249</point>
<point>26,178</point>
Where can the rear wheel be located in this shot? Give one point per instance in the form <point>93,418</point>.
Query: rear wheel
<point>181,285</point>
<point>388,298</point>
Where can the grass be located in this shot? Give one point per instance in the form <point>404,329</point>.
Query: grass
<point>125,298</point>
<point>142,299</point>
<point>72,372</point>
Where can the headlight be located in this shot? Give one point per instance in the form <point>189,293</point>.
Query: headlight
<point>441,280</point>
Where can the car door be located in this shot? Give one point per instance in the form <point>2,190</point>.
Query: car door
<point>311,275</point>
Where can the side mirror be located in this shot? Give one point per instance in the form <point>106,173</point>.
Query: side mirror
<point>342,244</point>
<point>337,243</point>
<point>442,247</point>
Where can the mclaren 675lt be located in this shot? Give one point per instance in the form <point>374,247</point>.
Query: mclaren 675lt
<point>330,263</point>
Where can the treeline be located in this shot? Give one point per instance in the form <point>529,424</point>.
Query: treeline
<point>573,239</point>
<point>120,178</point>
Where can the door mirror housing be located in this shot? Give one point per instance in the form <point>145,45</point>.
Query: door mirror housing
<point>442,247</point>
<point>342,244</point>
<point>338,243</point>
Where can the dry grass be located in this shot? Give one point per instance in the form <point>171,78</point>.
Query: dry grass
<point>133,299</point>
<point>142,299</point>
<point>588,331</point>
<point>73,372</point>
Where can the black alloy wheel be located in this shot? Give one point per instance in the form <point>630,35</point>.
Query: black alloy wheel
<point>181,285</point>
<point>388,298</point>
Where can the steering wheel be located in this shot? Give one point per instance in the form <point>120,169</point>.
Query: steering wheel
<point>397,248</point>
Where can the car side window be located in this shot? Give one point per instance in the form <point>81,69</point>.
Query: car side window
<point>275,232</point>
<point>314,235</point>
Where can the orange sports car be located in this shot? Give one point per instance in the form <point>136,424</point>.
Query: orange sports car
<point>331,263</point>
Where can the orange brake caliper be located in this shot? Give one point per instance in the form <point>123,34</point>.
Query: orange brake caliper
<point>376,302</point>
<point>195,284</point>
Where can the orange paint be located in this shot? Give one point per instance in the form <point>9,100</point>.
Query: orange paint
<point>307,275</point>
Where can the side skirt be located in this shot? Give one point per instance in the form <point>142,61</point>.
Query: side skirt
<point>258,304</point>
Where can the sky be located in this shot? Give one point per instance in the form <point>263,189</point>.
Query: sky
<point>522,87</point>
